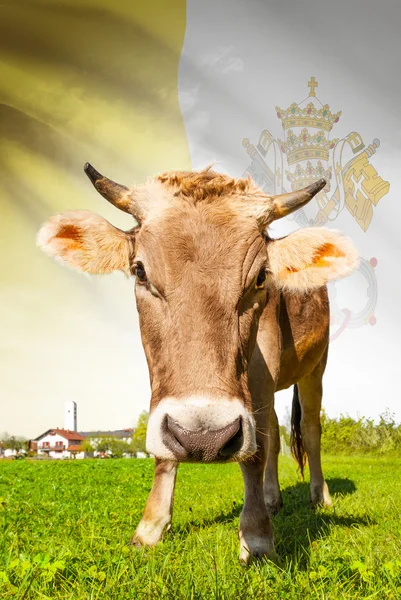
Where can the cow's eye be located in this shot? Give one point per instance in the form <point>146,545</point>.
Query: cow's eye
<point>140,273</point>
<point>261,278</point>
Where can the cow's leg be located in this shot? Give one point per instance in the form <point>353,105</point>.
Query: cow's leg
<point>310,397</point>
<point>255,530</point>
<point>271,486</point>
<point>159,507</point>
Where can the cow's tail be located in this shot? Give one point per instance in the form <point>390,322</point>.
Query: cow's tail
<point>297,447</point>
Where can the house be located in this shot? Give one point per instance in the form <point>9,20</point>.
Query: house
<point>59,443</point>
<point>66,443</point>
<point>120,434</point>
<point>95,437</point>
<point>8,452</point>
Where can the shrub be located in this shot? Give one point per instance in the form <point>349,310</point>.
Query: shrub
<point>347,435</point>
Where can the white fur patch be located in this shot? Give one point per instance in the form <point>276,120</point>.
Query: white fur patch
<point>309,258</point>
<point>197,412</point>
<point>150,533</point>
<point>150,530</point>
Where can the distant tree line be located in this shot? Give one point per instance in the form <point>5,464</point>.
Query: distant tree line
<point>12,442</point>
<point>347,435</point>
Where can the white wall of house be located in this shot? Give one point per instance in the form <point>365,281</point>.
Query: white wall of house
<point>95,441</point>
<point>8,452</point>
<point>65,454</point>
<point>51,450</point>
<point>51,440</point>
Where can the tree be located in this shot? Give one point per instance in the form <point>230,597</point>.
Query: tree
<point>118,447</point>
<point>285,435</point>
<point>138,443</point>
<point>103,444</point>
<point>88,445</point>
<point>14,443</point>
<point>111,445</point>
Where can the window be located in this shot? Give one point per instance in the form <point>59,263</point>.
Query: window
<point>45,444</point>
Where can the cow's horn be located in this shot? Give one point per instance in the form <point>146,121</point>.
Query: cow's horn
<point>284,204</point>
<point>116,194</point>
<point>130,200</point>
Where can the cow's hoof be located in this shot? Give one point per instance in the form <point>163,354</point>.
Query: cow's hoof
<point>136,541</point>
<point>256,547</point>
<point>148,534</point>
<point>320,496</point>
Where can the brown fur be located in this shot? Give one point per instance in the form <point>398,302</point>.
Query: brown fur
<point>206,185</point>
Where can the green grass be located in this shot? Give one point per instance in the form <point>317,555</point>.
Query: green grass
<point>65,528</point>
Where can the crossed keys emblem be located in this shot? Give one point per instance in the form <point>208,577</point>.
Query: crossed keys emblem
<point>307,153</point>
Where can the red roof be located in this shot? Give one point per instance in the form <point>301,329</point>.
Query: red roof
<point>65,433</point>
<point>69,435</point>
<point>74,448</point>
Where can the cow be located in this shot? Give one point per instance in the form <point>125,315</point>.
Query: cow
<point>228,316</point>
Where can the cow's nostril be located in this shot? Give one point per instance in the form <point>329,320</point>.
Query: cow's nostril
<point>172,440</point>
<point>234,444</point>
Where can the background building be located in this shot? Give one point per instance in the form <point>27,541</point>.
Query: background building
<point>120,434</point>
<point>59,443</point>
<point>70,416</point>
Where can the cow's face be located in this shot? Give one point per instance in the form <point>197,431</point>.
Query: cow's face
<point>203,270</point>
<point>200,291</point>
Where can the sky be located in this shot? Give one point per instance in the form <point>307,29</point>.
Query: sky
<point>142,89</point>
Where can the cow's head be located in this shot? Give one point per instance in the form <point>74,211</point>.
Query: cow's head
<point>204,266</point>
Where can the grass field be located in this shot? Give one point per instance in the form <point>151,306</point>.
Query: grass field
<point>65,528</point>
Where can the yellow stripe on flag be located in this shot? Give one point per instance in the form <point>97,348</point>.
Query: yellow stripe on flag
<point>80,80</point>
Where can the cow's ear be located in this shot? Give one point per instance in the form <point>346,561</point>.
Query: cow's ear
<point>87,242</point>
<point>309,258</point>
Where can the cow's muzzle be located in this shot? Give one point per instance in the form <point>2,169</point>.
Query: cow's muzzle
<point>201,429</point>
<point>203,445</point>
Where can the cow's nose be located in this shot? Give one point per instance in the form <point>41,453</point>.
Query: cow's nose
<point>203,445</point>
